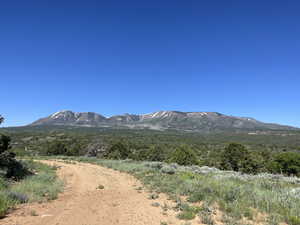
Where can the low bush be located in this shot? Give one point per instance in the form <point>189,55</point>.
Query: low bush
<point>287,163</point>
<point>118,151</point>
<point>188,212</point>
<point>5,203</point>
<point>168,170</point>
<point>17,197</point>
<point>156,153</point>
<point>42,186</point>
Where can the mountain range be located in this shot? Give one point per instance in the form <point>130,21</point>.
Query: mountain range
<point>162,120</point>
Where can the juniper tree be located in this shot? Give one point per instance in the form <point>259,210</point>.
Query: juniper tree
<point>184,155</point>
<point>238,158</point>
<point>8,163</point>
<point>4,140</point>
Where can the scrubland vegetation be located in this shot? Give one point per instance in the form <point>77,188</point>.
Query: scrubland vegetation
<point>40,186</point>
<point>218,178</point>
<point>206,191</point>
<point>24,181</point>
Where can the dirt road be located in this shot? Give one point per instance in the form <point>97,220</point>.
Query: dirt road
<point>120,202</point>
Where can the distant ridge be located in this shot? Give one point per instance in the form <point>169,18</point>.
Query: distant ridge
<point>162,120</point>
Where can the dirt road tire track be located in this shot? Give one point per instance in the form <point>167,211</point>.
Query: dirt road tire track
<point>83,204</point>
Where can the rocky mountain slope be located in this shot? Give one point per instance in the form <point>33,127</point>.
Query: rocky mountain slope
<point>185,121</point>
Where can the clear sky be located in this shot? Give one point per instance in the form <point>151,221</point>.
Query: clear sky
<point>113,57</point>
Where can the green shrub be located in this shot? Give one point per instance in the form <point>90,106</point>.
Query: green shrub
<point>156,153</point>
<point>196,196</point>
<point>188,212</point>
<point>5,203</point>
<point>287,163</point>
<point>294,220</point>
<point>118,151</point>
<point>3,183</point>
<point>56,148</point>
<point>183,155</point>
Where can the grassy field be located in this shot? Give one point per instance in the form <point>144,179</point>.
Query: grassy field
<point>215,196</point>
<point>43,185</point>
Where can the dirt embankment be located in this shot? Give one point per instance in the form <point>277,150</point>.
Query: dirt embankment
<point>83,203</point>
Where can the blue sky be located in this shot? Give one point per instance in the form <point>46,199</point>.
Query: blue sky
<point>113,57</point>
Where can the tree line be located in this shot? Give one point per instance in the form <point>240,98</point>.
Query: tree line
<point>234,156</point>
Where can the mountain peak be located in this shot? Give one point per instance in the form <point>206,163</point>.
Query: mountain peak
<point>62,113</point>
<point>176,120</point>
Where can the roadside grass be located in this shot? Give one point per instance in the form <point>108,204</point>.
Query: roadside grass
<point>256,199</point>
<point>43,185</point>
